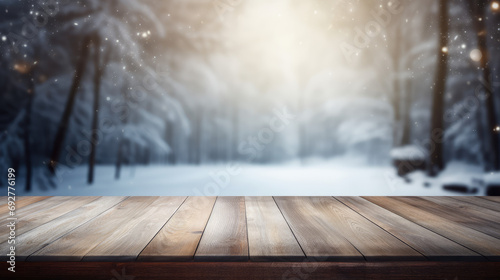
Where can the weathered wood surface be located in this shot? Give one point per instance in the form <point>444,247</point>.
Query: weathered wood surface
<point>19,202</point>
<point>36,239</point>
<point>225,236</point>
<point>316,233</point>
<point>255,229</point>
<point>432,245</point>
<point>179,238</point>
<point>483,203</point>
<point>269,236</point>
<point>482,243</point>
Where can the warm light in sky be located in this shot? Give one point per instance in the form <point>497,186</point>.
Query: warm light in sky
<point>495,6</point>
<point>282,45</point>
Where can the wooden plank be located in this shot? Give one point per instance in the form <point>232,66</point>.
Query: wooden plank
<point>259,229</point>
<point>253,270</point>
<point>318,237</point>
<point>127,242</point>
<point>39,237</point>
<point>29,222</point>
<point>76,244</point>
<point>491,198</point>
<point>37,206</point>
<point>21,201</point>
<point>373,242</point>
<point>433,246</point>
<point>479,201</point>
<point>483,220</point>
<point>225,236</point>
<point>269,237</point>
<point>179,238</point>
<point>479,242</point>
<point>471,210</point>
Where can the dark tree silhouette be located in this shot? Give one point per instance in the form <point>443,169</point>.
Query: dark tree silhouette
<point>478,14</point>
<point>196,136</point>
<point>396,60</point>
<point>63,124</point>
<point>124,143</point>
<point>170,135</point>
<point>436,160</point>
<point>235,118</point>
<point>27,129</point>
<point>95,111</point>
<point>100,67</point>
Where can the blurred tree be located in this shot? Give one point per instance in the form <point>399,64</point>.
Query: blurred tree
<point>436,160</point>
<point>101,24</point>
<point>57,147</point>
<point>478,10</point>
<point>99,67</point>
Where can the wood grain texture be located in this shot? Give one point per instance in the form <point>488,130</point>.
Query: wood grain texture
<point>21,201</point>
<point>475,217</point>
<point>471,210</point>
<point>269,237</point>
<point>479,202</point>
<point>479,242</point>
<point>491,198</point>
<point>47,233</point>
<point>127,242</point>
<point>179,238</point>
<point>225,236</point>
<point>38,218</point>
<point>75,245</point>
<point>37,206</point>
<point>372,241</point>
<point>256,228</point>
<point>433,246</point>
<point>311,224</point>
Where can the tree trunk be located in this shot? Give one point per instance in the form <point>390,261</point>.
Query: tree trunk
<point>63,124</point>
<point>171,158</point>
<point>194,139</point>
<point>478,10</point>
<point>215,136</point>
<point>303,140</point>
<point>122,142</point>
<point>406,112</point>
<point>398,123</point>
<point>235,131</point>
<point>119,158</point>
<point>27,132</point>
<point>406,116</point>
<point>197,139</point>
<point>95,111</point>
<point>226,133</point>
<point>436,161</point>
<point>99,68</point>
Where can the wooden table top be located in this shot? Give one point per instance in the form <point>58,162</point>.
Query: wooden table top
<point>255,229</point>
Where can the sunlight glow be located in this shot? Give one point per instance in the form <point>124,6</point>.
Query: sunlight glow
<point>495,6</point>
<point>279,43</point>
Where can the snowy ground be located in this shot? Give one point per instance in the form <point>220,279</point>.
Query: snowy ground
<point>251,180</point>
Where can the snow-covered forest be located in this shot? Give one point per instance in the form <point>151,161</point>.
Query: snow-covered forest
<point>234,97</point>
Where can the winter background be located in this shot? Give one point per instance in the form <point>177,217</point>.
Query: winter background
<point>235,97</point>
